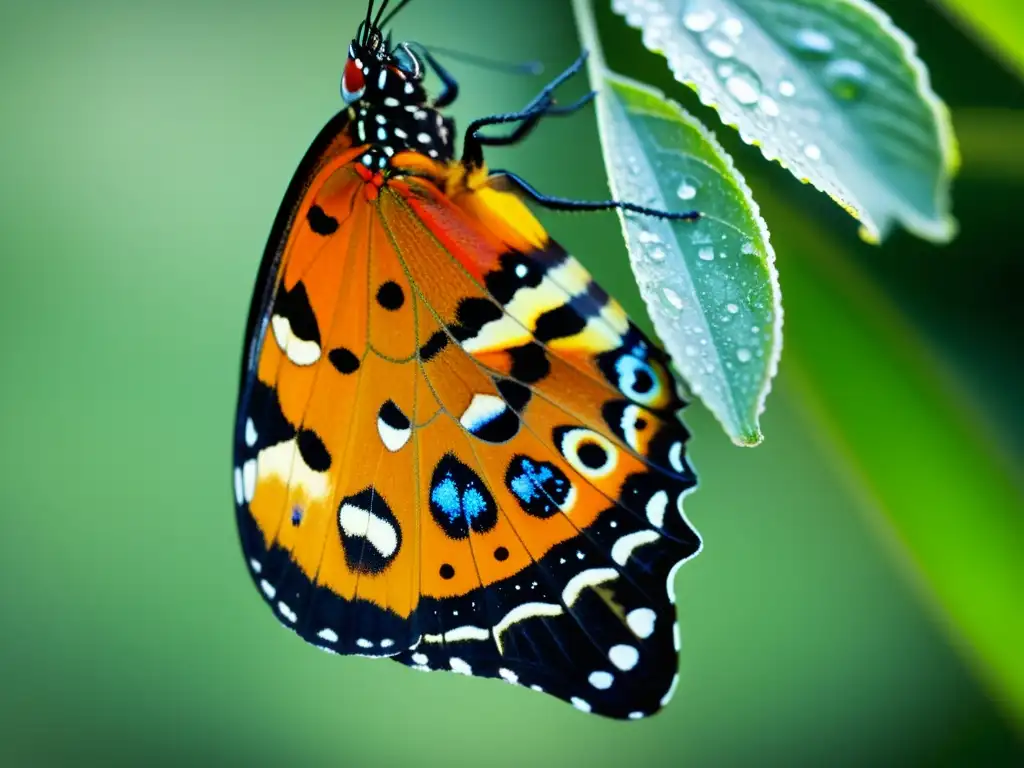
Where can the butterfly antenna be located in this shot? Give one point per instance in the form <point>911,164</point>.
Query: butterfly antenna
<point>395,10</point>
<point>380,12</point>
<point>525,68</point>
<point>366,24</point>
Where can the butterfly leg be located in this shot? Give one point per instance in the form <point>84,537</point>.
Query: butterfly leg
<point>528,124</point>
<point>543,103</point>
<point>449,85</point>
<point>566,204</point>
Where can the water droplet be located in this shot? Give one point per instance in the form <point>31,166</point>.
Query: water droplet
<point>743,355</point>
<point>691,351</point>
<point>658,254</point>
<point>672,298</point>
<point>813,151</point>
<point>786,88</point>
<point>718,45</point>
<point>747,247</point>
<point>814,43</point>
<point>699,21</point>
<point>769,106</point>
<point>846,78</point>
<point>646,238</point>
<point>733,309</point>
<point>724,70</point>
<point>744,86</point>
<point>688,188</point>
<point>706,253</point>
<point>732,27</point>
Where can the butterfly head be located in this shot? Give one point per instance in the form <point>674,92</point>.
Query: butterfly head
<point>377,69</point>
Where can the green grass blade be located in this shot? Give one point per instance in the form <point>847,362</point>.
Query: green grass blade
<point>944,494</point>
<point>999,24</point>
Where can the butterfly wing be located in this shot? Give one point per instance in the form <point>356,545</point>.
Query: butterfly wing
<point>560,415</point>
<point>453,448</point>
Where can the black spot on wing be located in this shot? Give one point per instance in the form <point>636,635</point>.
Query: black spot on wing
<point>313,451</point>
<point>559,323</point>
<point>391,296</point>
<point>294,306</point>
<point>320,222</point>
<point>515,271</point>
<point>529,363</point>
<point>474,313</point>
<point>392,415</point>
<point>515,394</point>
<point>344,360</point>
<point>433,346</point>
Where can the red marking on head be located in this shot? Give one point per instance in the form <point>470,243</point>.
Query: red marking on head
<point>352,82</point>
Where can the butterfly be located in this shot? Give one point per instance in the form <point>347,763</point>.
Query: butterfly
<point>452,447</point>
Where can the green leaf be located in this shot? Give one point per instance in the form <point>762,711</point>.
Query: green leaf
<point>829,88</point>
<point>1000,23</point>
<point>710,286</point>
<point>939,487</point>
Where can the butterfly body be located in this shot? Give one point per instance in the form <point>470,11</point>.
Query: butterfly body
<point>452,447</point>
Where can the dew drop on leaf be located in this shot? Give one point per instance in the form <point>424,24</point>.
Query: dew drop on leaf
<point>688,188</point>
<point>744,86</point>
<point>672,298</point>
<point>706,253</point>
<point>699,21</point>
<point>813,43</point>
<point>813,151</point>
<point>743,355</point>
<point>786,88</point>
<point>846,78</point>
<point>732,27</point>
<point>718,45</point>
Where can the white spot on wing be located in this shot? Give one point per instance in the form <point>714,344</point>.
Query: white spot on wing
<point>299,351</point>
<point>508,676</point>
<point>249,479</point>
<point>580,704</point>
<point>624,657</point>
<point>601,680</point>
<point>356,521</point>
<point>268,589</point>
<point>675,456</point>
<point>362,642</point>
<point>520,612</point>
<point>328,634</point>
<point>256,565</point>
<point>394,439</point>
<point>641,621</point>
<point>656,509</point>
<point>466,633</point>
<point>589,578</point>
<point>250,433</point>
<point>287,612</point>
<point>460,666</point>
<point>671,690</point>
<point>624,547</point>
<point>420,658</point>
<point>239,489</point>
<point>482,409</point>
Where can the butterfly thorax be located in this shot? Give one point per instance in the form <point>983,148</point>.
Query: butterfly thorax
<point>393,115</point>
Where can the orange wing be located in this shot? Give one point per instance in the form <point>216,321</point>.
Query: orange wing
<point>453,447</point>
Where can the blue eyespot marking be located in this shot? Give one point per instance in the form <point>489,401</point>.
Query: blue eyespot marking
<point>459,500</point>
<point>541,488</point>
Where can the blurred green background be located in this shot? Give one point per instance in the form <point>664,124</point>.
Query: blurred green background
<point>145,147</point>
